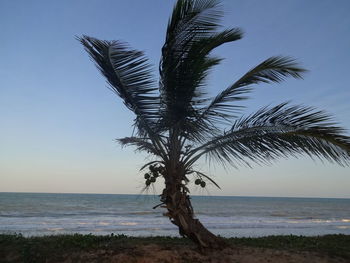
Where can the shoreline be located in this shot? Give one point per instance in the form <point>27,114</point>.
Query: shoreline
<point>121,248</point>
<point>51,214</point>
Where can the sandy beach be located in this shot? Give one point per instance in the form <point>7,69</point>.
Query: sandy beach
<point>118,249</point>
<point>156,253</point>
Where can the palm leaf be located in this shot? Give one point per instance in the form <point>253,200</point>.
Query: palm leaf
<point>128,74</point>
<point>280,131</point>
<point>185,60</point>
<point>142,144</point>
<point>274,69</point>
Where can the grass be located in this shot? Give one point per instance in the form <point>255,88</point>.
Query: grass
<point>333,245</point>
<point>39,249</point>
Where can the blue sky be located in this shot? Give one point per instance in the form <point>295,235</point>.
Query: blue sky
<point>58,120</point>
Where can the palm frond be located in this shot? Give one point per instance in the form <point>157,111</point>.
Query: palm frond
<point>185,60</point>
<point>274,69</point>
<point>150,163</point>
<point>142,144</point>
<point>280,131</point>
<point>191,73</point>
<point>128,74</point>
<point>192,16</point>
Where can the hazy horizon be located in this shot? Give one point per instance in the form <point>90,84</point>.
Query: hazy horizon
<point>156,195</point>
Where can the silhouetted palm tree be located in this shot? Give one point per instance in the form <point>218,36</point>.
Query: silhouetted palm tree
<point>178,123</point>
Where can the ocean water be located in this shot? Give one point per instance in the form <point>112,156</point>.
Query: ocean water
<point>34,214</point>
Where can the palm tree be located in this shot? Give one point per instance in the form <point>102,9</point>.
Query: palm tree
<point>178,123</point>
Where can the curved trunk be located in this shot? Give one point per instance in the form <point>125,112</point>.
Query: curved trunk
<point>181,214</point>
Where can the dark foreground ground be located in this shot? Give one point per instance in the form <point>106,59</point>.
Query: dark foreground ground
<point>90,248</point>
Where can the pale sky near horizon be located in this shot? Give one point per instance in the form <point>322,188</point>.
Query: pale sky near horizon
<point>58,120</point>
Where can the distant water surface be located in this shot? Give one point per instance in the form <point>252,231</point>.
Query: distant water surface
<point>35,214</point>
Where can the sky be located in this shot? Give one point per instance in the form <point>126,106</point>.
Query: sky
<point>58,121</point>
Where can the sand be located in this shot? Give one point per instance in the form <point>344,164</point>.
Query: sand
<point>162,254</point>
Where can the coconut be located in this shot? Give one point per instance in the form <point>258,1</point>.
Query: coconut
<point>152,168</point>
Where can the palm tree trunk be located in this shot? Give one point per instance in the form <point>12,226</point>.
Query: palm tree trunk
<point>181,214</point>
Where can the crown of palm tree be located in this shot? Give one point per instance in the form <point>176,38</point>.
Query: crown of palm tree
<point>177,120</point>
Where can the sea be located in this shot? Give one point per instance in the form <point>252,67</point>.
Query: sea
<point>37,214</point>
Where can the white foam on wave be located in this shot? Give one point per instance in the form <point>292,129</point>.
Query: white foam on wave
<point>104,223</point>
<point>128,223</point>
<point>55,229</point>
<point>308,221</point>
<point>343,227</point>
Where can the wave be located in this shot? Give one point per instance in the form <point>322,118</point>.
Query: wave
<point>76,214</point>
<point>50,213</point>
<point>55,229</point>
<point>142,213</point>
<point>343,227</point>
<point>128,224</point>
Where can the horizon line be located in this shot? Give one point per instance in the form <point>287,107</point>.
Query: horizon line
<point>257,196</point>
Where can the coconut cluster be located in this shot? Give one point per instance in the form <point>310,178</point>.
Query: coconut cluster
<point>200,182</point>
<point>154,172</point>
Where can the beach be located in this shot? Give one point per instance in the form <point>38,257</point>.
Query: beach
<point>90,248</point>
<point>38,227</point>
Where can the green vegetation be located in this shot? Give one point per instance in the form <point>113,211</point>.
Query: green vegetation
<point>333,245</point>
<point>17,248</point>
